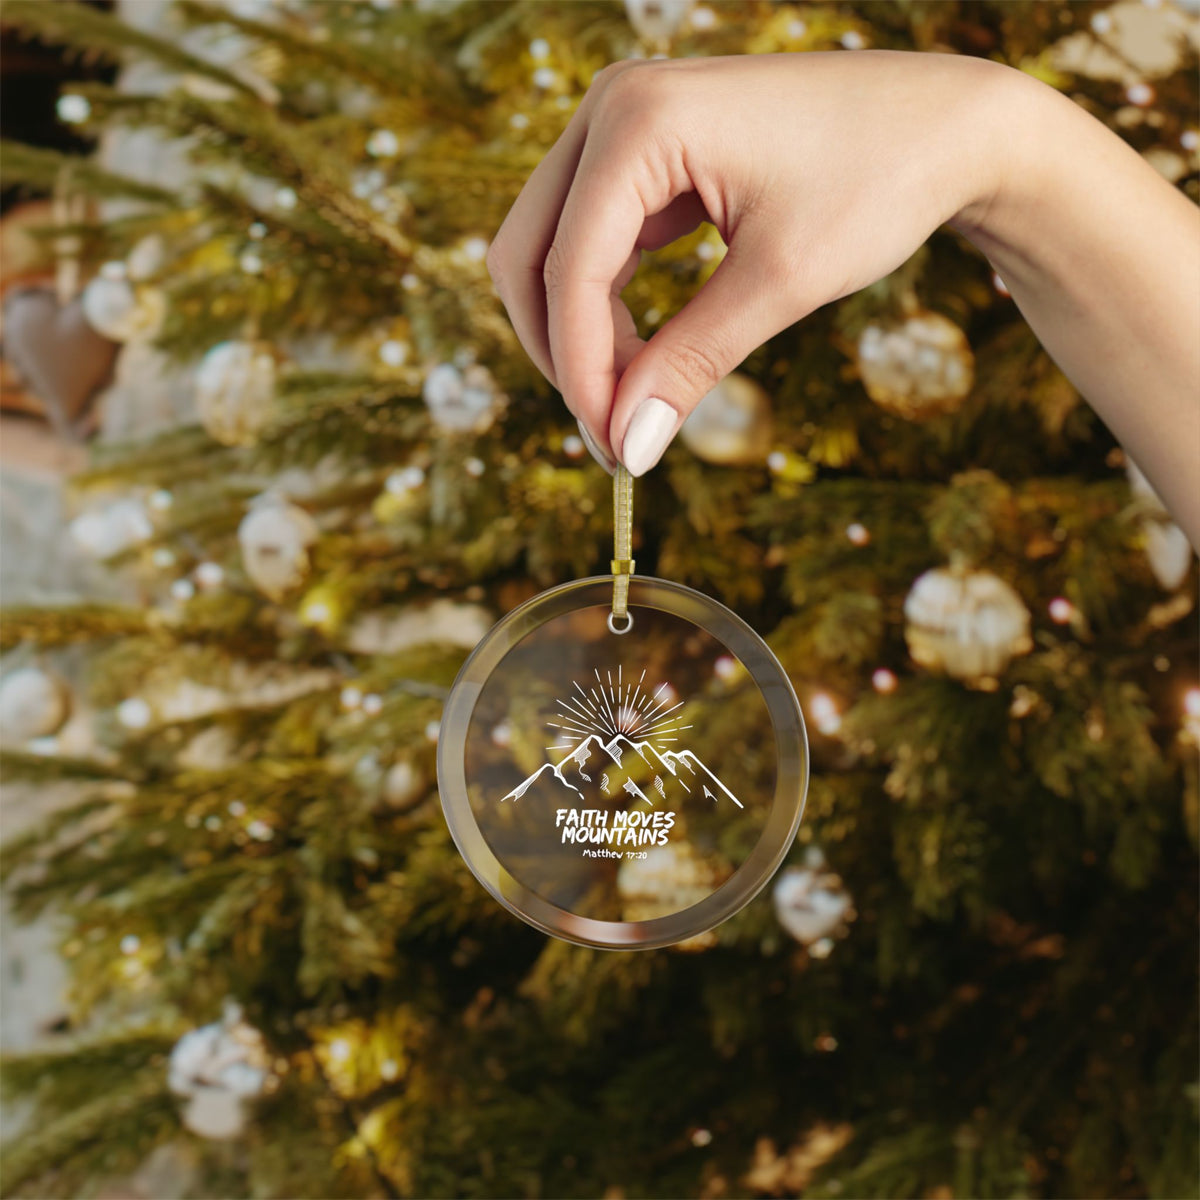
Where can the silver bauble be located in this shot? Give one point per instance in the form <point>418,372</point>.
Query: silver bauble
<point>1167,548</point>
<point>462,401</point>
<point>969,624</point>
<point>235,391</point>
<point>112,528</point>
<point>918,368</point>
<point>810,903</point>
<point>122,311</point>
<point>732,424</point>
<point>275,537</point>
<point>33,704</point>
<point>657,20</point>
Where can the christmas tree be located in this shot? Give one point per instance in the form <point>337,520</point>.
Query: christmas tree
<point>976,974</point>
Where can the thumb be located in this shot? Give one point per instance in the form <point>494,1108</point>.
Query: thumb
<point>740,307</point>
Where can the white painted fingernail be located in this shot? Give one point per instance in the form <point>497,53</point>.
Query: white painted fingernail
<point>649,434</point>
<point>594,449</point>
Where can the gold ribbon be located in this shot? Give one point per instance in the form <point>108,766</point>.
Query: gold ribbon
<point>620,620</point>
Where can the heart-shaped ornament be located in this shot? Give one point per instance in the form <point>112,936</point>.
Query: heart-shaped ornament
<point>61,358</point>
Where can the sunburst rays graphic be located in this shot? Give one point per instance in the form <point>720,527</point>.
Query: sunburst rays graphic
<point>618,706</point>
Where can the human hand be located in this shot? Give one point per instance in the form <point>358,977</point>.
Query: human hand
<point>822,173</point>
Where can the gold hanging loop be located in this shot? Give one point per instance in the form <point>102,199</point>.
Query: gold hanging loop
<point>620,620</point>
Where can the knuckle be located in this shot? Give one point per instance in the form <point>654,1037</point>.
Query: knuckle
<point>695,365</point>
<point>496,264</point>
<point>555,268</point>
<point>633,97</point>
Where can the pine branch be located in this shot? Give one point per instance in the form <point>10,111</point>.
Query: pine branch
<point>99,34</point>
<point>43,169</point>
<point>68,625</point>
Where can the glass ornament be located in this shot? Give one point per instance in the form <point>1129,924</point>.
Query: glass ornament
<point>648,731</point>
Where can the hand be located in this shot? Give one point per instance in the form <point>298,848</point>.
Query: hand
<point>822,173</point>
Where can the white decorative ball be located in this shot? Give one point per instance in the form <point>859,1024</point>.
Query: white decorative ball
<point>235,391</point>
<point>214,1113</point>
<point>918,368</point>
<point>112,529</point>
<point>811,904</point>
<point>464,400</point>
<point>33,704</point>
<point>1169,552</point>
<point>146,258</point>
<point>1167,548</point>
<point>969,624</point>
<point>732,424</point>
<point>134,713</point>
<point>116,309</point>
<point>403,785</point>
<point>275,537</point>
<point>217,1068</point>
<point>657,20</point>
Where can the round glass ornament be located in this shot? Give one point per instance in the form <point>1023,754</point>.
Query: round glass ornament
<point>625,782</point>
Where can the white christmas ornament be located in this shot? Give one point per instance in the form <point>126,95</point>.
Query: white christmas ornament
<point>118,310</point>
<point>969,624</point>
<point>811,903</point>
<point>657,20</point>
<point>732,424</point>
<point>235,391</point>
<point>112,529</point>
<point>403,785</point>
<point>464,400</point>
<point>275,537</point>
<point>919,368</point>
<point>217,1068</point>
<point>33,704</point>
<point>1167,547</point>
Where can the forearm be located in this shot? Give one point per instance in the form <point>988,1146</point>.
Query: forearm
<point>1103,258</point>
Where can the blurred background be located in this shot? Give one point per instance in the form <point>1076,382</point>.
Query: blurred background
<point>273,462</point>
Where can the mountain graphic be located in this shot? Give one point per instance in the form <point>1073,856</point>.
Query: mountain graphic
<point>624,770</point>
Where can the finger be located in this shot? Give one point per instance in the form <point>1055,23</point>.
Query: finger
<point>602,219</point>
<point>519,249</point>
<point>739,308</point>
<point>626,346</point>
<point>518,252</point>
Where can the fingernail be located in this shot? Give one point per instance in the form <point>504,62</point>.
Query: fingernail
<point>648,435</point>
<point>594,449</point>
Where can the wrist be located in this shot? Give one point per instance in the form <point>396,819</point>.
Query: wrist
<point>1013,130</point>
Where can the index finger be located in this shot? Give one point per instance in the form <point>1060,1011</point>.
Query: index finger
<point>597,235</point>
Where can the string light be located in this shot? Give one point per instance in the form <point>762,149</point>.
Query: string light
<point>351,697</point>
<point>884,681</point>
<point>1061,610</point>
<point>725,668</point>
<point>858,534</point>
<point>210,574</point>
<point>73,109</point>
